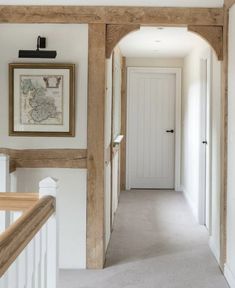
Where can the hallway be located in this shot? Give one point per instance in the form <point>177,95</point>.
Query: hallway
<point>155,244</point>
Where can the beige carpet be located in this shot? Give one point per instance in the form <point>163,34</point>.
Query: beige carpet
<point>155,244</point>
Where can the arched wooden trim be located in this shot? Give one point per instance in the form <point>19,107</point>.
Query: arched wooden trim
<point>229,3</point>
<point>114,33</point>
<point>213,35</point>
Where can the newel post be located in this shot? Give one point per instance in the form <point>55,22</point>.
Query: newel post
<point>49,186</point>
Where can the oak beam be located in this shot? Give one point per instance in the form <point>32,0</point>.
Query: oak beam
<point>114,33</point>
<point>46,158</point>
<point>224,144</point>
<point>229,3</point>
<point>111,15</point>
<point>213,35</point>
<point>96,146</point>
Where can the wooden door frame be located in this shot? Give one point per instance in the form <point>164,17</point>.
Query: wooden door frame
<point>107,25</point>
<point>178,92</point>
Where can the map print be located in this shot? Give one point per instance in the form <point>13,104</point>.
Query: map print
<point>41,99</point>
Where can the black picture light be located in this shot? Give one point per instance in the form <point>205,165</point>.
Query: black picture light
<point>41,43</point>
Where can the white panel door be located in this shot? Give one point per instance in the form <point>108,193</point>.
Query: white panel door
<point>151,129</point>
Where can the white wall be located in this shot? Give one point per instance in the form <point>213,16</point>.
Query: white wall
<point>71,207</point>
<point>112,129</point>
<point>191,136</point>
<point>230,265</point>
<point>215,157</point>
<point>107,172</point>
<point>191,125</point>
<point>71,43</point>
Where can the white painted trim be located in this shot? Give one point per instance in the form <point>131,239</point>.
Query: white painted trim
<point>178,129</point>
<point>177,72</point>
<point>230,277</point>
<point>214,249</point>
<point>209,119</point>
<point>204,189</point>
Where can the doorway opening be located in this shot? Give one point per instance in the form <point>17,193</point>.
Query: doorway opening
<point>164,106</point>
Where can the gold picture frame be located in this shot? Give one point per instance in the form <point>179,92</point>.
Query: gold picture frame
<point>42,99</point>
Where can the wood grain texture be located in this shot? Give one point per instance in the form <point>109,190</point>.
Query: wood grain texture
<point>108,155</point>
<point>229,3</point>
<point>115,33</point>
<point>123,126</point>
<point>12,166</point>
<point>46,158</point>
<point>224,145</point>
<point>96,146</point>
<point>111,15</point>
<point>17,201</point>
<point>20,233</point>
<point>213,35</point>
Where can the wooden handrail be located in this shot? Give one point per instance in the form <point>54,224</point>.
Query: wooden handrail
<point>21,232</point>
<point>17,201</point>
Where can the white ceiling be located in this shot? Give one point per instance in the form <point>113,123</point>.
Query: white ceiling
<point>159,42</point>
<point>166,3</point>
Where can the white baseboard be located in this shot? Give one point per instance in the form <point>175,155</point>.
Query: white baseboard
<point>230,277</point>
<point>191,204</point>
<point>179,189</point>
<point>214,249</point>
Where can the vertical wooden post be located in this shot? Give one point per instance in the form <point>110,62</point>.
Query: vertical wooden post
<point>95,153</point>
<point>224,142</point>
<point>49,186</point>
<point>123,125</point>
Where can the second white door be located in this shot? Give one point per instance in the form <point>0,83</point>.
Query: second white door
<point>151,129</point>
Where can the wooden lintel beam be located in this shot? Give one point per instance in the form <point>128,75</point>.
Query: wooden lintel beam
<point>111,15</point>
<point>46,158</point>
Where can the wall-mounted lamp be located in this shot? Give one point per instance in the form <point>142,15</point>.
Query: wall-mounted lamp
<point>41,44</point>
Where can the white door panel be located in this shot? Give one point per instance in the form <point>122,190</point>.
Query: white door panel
<point>151,111</point>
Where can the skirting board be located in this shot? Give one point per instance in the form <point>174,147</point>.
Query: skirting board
<point>191,205</point>
<point>214,249</point>
<point>229,276</point>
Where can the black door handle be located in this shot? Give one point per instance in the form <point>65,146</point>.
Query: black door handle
<point>170,131</point>
<point>204,142</point>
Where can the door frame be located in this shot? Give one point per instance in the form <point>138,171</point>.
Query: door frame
<point>205,208</point>
<point>177,72</point>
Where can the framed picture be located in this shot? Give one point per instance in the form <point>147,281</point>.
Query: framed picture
<point>41,99</point>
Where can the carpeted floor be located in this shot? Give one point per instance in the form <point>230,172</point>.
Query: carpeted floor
<point>155,244</point>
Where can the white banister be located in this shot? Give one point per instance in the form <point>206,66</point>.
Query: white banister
<point>37,265</point>
<point>49,186</point>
